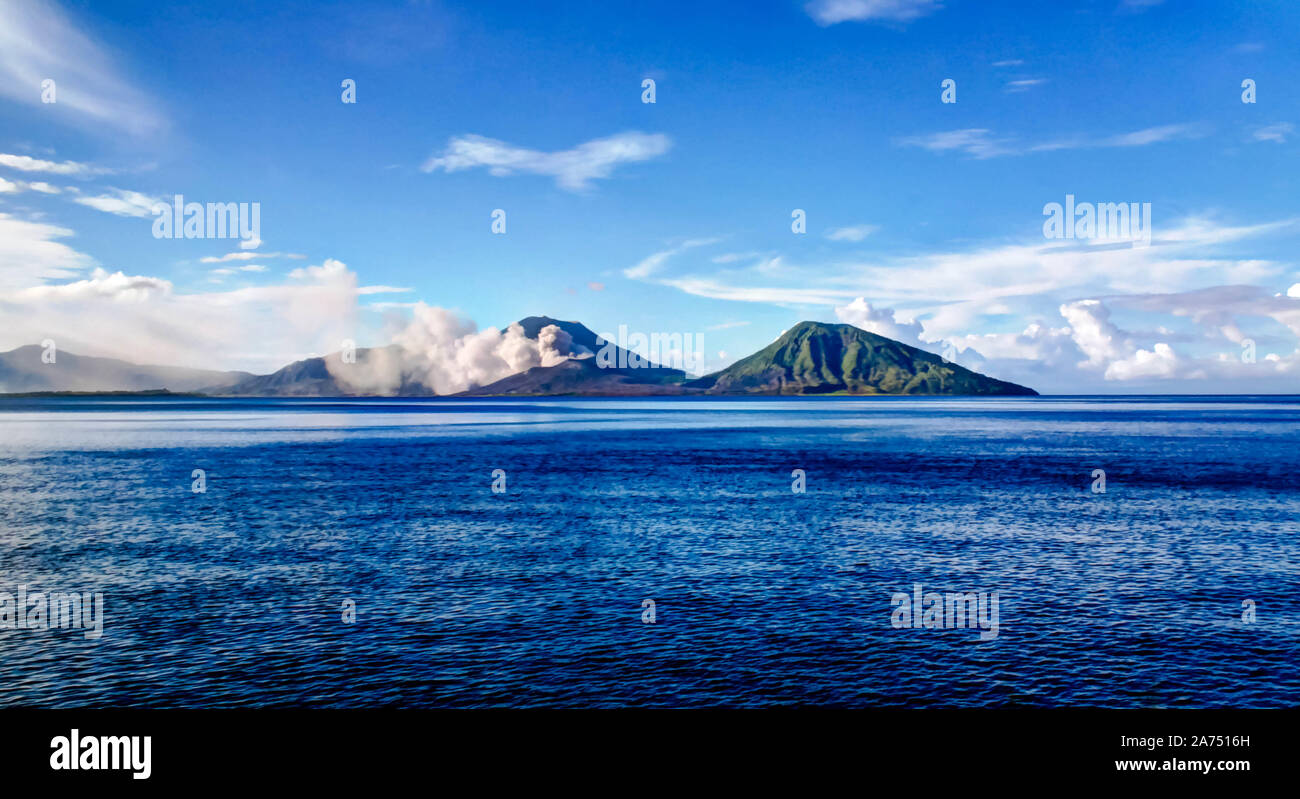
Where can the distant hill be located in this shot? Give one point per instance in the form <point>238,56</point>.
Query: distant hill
<point>311,377</point>
<point>815,358</point>
<point>23,371</point>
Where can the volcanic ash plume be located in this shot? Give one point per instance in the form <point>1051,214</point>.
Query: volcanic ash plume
<point>442,353</point>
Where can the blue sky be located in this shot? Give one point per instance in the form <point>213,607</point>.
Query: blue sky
<point>924,218</point>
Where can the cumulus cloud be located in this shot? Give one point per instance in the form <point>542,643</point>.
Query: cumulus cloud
<point>882,322</point>
<point>1158,362</point>
<point>1100,341</point>
<point>572,169</point>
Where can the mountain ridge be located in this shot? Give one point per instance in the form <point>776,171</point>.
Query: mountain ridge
<point>811,358</point>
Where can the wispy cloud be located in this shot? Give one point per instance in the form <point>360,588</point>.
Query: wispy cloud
<point>34,251</point>
<point>572,169</point>
<point>1025,84</point>
<point>851,233</point>
<point>25,163</point>
<point>1138,5</point>
<point>976,142</point>
<point>1274,133</point>
<point>39,42</point>
<point>1011,62</point>
<point>230,270</point>
<point>247,256</point>
<point>653,262</point>
<point>981,143</point>
<point>831,12</point>
<point>121,202</point>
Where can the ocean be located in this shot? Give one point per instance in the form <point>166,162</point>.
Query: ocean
<point>1139,552</point>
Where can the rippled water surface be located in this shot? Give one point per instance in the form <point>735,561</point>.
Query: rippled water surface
<point>764,597</point>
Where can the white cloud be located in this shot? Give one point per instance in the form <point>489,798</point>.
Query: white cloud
<point>226,271</point>
<point>1024,84</point>
<point>1159,362</point>
<point>326,270</point>
<point>976,142</point>
<point>117,287</point>
<point>1140,5</point>
<point>32,251</point>
<point>852,232</point>
<point>1011,62</point>
<point>121,202</point>
<point>1274,133</point>
<point>831,12</point>
<point>38,42</point>
<point>383,290</point>
<point>653,262</point>
<point>572,169</point>
<point>25,163</point>
<point>246,256</point>
<point>881,321</point>
<point>1099,340</point>
<point>981,143</point>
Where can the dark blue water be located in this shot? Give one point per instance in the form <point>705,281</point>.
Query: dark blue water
<point>764,597</point>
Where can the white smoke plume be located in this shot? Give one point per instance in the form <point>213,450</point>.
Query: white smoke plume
<point>446,354</point>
